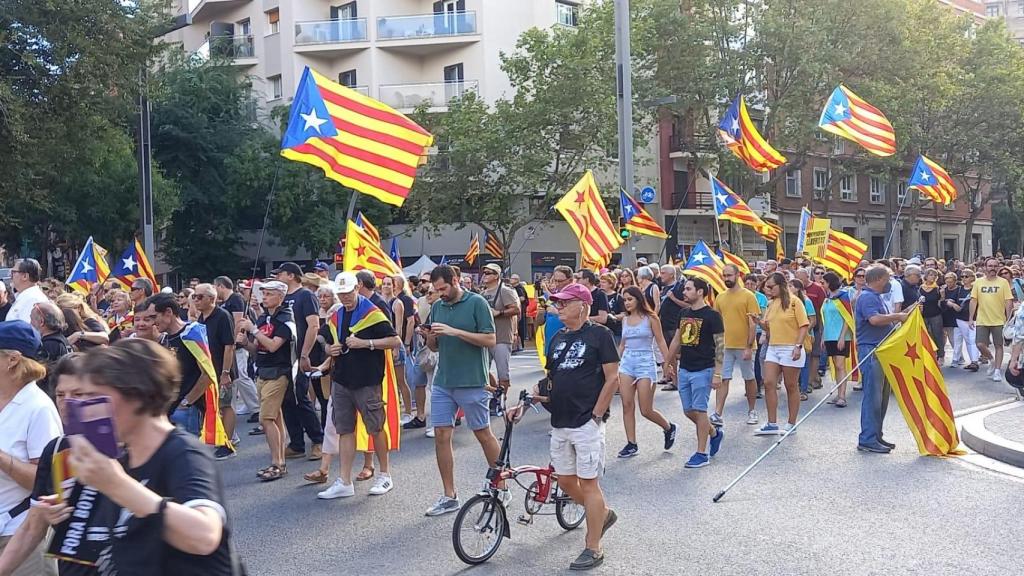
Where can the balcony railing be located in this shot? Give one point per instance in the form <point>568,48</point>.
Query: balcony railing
<point>364,90</point>
<point>433,94</point>
<point>230,47</point>
<point>330,31</point>
<point>426,25</point>
<point>700,143</point>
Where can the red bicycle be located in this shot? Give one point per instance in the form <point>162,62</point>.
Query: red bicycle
<point>482,523</point>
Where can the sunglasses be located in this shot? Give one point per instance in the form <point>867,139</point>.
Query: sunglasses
<point>489,273</point>
<point>198,296</point>
<point>858,275</point>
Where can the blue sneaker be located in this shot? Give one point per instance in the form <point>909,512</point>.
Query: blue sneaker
<point>698,460</point>
<point>716,442</point>
<point>629,451</point>
<point>769,429</point>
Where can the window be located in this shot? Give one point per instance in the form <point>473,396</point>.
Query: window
<point>877,190</point>
<point>850,231</point>
<point>951,206</point>
<point>992,10</point>
<point>243,27</point>
<point>838,147</point>
<point>568,14</point>
<point>848,188</point>
<point>765,176</point>
<point>793,183</point>
<point>344,12</point>
<point>273,21</point>
<point>901,192</point>
<point>348,78</point>
<point>275,87</point>
<point>454,78</point>
<point>820,136</point>
<point>820,182</point>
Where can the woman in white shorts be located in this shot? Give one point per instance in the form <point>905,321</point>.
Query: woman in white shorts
<point>785,325</point>
<point>641,331</point>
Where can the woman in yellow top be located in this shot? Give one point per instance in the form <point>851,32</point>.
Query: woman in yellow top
<point>785,326</point>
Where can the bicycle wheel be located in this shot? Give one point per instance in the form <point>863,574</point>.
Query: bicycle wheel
<point>479,528</point>
<point>568,513</point>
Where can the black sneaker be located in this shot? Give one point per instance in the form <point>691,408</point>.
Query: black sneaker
<point>414,424</point>
<point>587,560</point>
<point>257,431</point>
<point>458,421</point>
<point>254,418</point>
<point>629,451</point>
<point>223,453</point>
<point>670,435</point>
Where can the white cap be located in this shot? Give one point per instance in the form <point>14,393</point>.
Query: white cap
<point>166,290</point>
<point>345,282</point>
<point>274,285</point>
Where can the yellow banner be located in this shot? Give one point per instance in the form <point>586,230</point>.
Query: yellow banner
<point>816,237</point>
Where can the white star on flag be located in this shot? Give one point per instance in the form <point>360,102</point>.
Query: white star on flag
<point>129,263</point>
<point>312,120</point>
<point>85,267</point>
<point>840,109</point>
<point>721,199</point>
<point>925,176</point>
<point>699,257</point>
<point>735,125</point>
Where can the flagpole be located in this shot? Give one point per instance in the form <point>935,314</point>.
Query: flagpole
<point>792,430</point>
<point>352,205</point>
<point>266,220</point>
<point>888,242</point>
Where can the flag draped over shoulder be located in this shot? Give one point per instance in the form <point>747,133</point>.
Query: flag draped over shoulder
<point>474,249</point>
<point>706,266</point>
<point>636,219</point>
<point>134,265</point>
<point>933,181</point>
<point>362,253</point>
<point>907,357</point>
<point>740,135</point>
<point>729,206</point>
<point>583,209</point>
<point>851,117</point>
<point>90,268</point>
<point>357,141</point>
<point>844,305</point>
<point>365,315</point>
<point>195,340</point>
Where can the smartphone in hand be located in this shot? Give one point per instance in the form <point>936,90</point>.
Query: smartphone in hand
<point>94,419</point>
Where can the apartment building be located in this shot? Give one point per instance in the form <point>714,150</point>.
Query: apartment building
<point>1012,11</point>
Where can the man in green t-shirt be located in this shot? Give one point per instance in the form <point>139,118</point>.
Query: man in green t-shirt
<point>460,329</point>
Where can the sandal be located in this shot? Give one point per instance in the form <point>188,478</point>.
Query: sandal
<point>316,477</point>
<point>273,472</point>
<point>832,401</point>
<point>803,397</point>
<point>263,470</point>
<point>841,403</point>
<point>363,473</point>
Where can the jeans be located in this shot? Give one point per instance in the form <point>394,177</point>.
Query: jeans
<point>188,419</point>
<point>758,361</point>
<point>299,415</point>
<point>875,400</point>
<point>805,375</point>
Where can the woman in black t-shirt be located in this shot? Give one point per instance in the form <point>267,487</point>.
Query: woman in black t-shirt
<point>931,297</point>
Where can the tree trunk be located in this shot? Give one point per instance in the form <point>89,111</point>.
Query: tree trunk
<point>968,229</point>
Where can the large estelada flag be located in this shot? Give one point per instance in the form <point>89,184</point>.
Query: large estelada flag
<point>706,266</point>
<point>933,181</point>
<point>740,135</point>
<point>474,249</point>
<point>365,315</point>
<point>583,209</point>
<point>90,268</point>
<point>492,245</point>
<point>363,253</point>
<point>851,117</point>
<point>729,206</point>
<point>357,141</point>
<point>134,265</point>
<point>195,340</point>
<point>907,357</point>
<point>636,219</point>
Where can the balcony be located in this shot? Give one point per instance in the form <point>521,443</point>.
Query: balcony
<point>238,50</point>
<point>364,90</point>
<point>202,10</point>
<point>331,37</point>
<point>681,146</point>
<point>425,30</point>
<point>436,95</point>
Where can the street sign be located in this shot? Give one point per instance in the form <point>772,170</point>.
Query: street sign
<point>648,195</point>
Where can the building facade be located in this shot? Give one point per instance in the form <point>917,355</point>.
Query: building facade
<point>1012,11</point>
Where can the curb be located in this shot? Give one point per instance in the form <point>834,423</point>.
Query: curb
<point>981,440</point>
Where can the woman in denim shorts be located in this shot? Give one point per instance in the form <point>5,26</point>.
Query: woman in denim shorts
<point>641,331</point>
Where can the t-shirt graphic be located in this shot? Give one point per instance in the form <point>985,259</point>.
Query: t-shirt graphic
<point>573,357</point>
<point>689,331</point>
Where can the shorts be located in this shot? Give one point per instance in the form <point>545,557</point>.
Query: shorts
<point>271,396</point>
<point>367,401</point>
<point>501,354</point>
<point>415,375</point>
<point>227,394</point>
<point>639,364</point>
<point>445,402</point>
<point>733,357</point>
<point>982,334</point>
<point>695,389</point>
<point>578,451</point>
<point>399,355</point>
<point>832,348</point>
<point>783,356</point>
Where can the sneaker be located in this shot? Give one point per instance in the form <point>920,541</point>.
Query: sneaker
<point>670,435</point>
<point>752,417</point>
<point>414,424</point>
<point>629,451</point>
<point>769,429</point>
<point>290,454</point>
<point>787,427</point>
<point>429,433</point>
<point>716,442</point>
<point>223,453</point>
<point>383,485</point>
<point>257,431</point>
<point>586,560</point>
<point>406,418</point>
<point>337,490</point>
<point>444,505</point>
<point>235,440</point>
<point>698,460</point>
<point>996,376</point>
<point>716,419</point>
<point>458,421</point>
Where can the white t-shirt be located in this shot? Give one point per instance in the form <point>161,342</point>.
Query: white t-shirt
<point>27,424</point>
<point>24,301</point>
<point>895,294</point>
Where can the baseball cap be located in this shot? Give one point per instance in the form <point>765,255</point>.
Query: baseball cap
<point>274,285</point>
<point>493,268</point>
<point>915,260</point>
<point>574,291</point>
<point>290,267</point>
<point>345,282</point>
<point>321,266</point>
<point>19,336</point>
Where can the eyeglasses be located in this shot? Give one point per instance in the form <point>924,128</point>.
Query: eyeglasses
<point>198,296</point>
<point>559,304</point>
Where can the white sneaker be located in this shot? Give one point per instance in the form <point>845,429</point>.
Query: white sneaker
<point>383,485</point>
<point>337,490</point>
<point>430,432</point>
<point>752,417</point>
<point>788,428</point>
<point>406,418</point>
<point>992,370</point>
<point>997,376</point>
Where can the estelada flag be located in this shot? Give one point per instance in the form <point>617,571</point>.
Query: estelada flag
<point>740,135</point>
<point>365,315</point>
<point>907,357</point>
<point>636,219</point>
<point>844,305</point>
<point>134,265</point>
<point>357,141</point>
<point>933,181</point>
<point>730,258</point>
<point>195,340</point>
<point>585,213</point>
<point>90,268</point>
<point>362,253</point>
<point>851,117</point>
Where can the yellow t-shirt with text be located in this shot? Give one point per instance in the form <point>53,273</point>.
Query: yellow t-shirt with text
<point>991,296</point>
<point>734,307</point>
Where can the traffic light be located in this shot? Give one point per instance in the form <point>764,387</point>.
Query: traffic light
<point>624,233</point>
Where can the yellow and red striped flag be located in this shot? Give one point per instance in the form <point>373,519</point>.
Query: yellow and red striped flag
<point>933,181</point>
<point>357,141</point>
<point>729,206</point>
<point>368,227</point>
<point>908,359</point>
<point>851,117</point>
<point>706,266</point>
<point>493,246</point>
<point>843,254</point>
<point>362,253</point>
<point>134,265</point>
<point>636,219</point>
<point>583,209</point>
<point>474,249</point>
<point>740,135</point>
<point>730,258</point>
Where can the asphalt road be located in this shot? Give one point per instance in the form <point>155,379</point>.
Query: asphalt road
<point>815,506</point>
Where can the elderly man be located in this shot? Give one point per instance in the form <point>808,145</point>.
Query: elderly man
<point>141,289</point>
<point>25,278</point>
<point>220,334</point>
<point>874,322</point>
<point>516,284</point>
<point>911,284</point>
<point>48,320</point>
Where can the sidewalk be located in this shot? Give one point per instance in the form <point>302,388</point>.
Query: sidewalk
<point>997,432</point>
